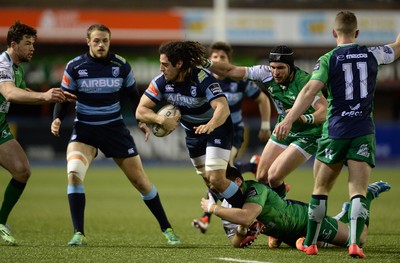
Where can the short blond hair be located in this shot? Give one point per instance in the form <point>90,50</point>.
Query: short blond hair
<point>99,27</point>
<point>346,23</point>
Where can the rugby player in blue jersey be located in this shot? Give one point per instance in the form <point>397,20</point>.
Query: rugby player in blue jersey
<point>99,79</point>
<point>236,92</point>
<point>205,113</point>
<point>349,72</point>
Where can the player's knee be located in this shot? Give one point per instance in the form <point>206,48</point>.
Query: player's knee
<point>21,171</point>
<point>77,166</point>
<point>262,178</point>
<point>215,169</point>
<point>275,176</point>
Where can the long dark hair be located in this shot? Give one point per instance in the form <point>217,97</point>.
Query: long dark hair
<point>191,53</point>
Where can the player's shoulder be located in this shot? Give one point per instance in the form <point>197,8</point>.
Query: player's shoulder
<point>159,80</point>
<point>300,73</point>
<point>5,60</point>
<point>76,61</point>
<point>201,74</point>
<point>157,84</point>
<point>115,58</point>
<point>386,49</point>
<point>333,52</point>
<point>251,185</point>
<point>383,54</point>
<point>301,77</point>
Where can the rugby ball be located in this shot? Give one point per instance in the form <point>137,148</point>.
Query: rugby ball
<point>167,110</point>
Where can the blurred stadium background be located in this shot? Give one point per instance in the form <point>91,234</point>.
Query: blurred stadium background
<point>252,27</point>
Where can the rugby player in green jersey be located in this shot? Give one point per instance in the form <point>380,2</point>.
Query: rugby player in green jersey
<point>349,72</point>
<point>20,40</point>
<point>285,220</point>
<point>283,81</point>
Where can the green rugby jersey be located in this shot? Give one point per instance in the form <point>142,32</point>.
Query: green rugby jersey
<point>284,97</point>
<point>283,219</point>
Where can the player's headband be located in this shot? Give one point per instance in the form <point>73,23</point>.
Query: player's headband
<point>280,57</point>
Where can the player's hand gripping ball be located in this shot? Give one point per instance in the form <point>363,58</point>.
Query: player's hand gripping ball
<point>167,110</point>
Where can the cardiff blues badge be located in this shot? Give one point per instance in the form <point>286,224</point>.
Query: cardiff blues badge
<point>115,71</point>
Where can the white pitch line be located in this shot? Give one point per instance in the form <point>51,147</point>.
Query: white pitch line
<point>241,260</point>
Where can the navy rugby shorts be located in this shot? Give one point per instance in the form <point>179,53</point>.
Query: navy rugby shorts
<point>221,137</point>
<point>113,139</point>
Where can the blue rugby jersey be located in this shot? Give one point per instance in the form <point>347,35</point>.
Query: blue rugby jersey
<point>235,92</point>
<point>193,96</point>
<point>97,84</point>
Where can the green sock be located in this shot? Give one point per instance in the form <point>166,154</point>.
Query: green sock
<point>11,195</point>
<point>359,211</point>
<point>316,213</point>
<point>368,201</point>
<point>345,218</point>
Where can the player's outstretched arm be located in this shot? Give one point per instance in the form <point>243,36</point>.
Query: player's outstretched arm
<point>244,216</point>
<point>225,69</point>
<point>21,96</point>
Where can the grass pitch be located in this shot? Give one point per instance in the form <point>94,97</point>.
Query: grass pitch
<point>120,228</point>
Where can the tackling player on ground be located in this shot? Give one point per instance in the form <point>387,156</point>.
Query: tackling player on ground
<point>285,220</point>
